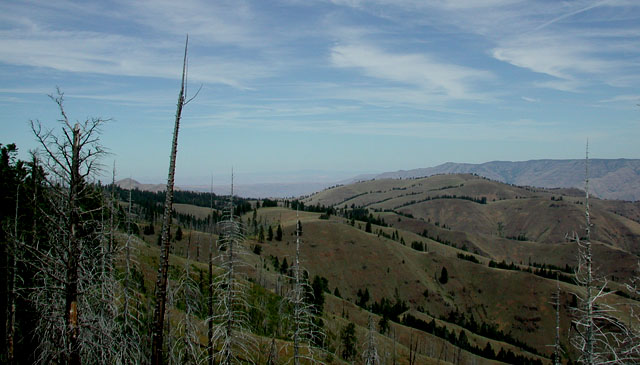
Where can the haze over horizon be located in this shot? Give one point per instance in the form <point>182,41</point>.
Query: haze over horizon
<point>327,90</point>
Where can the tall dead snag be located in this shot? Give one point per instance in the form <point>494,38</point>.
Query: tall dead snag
<point>631,344</point>
<point>185,347</point>
<point>66,276</point>
<point>306,334</point>
<point>210,284</point>
<point>130,341</point>
<point>557,349</point>
<point>163,269</point>
<point>230,338</point>
<point>370,353</point>
<point>598,333</point>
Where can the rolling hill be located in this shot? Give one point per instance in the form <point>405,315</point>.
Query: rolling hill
<point>500,245</point>
<point>610,178</point>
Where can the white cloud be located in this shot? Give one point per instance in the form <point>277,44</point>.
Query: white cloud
<point>579,43</point>
<point>554,55</point>
<point>531,100</point>
<point>139,38</point>
<point>419,70</point>
<point>112,54</point>
<point>225,22</point>
<point>635,98</point>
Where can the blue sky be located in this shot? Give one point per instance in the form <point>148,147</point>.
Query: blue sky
<point>302,90</point>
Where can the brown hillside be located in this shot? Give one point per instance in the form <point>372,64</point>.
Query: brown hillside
<point>538,215</point>
<point>352,260</point>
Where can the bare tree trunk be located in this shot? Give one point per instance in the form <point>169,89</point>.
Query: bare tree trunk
<point>163,270</point>
<point>599,334</point>
<point>127,261</point>
<point>370,354</point>
<point>71,284</point>
<point>210,283</point>
<point>11,290</point>
<point>394,346</point>
<point>306,333</point>
<point>556,347</point>
<point>70,159</point>
<point>297,301</point>
<point>231,338</point>
<point>589,353</point>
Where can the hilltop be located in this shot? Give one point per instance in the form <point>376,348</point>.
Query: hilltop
<point>609,178</point>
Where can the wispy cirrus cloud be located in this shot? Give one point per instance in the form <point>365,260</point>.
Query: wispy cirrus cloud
<point>577,44</point>
<point>554,55</point>
<point>622,99</point>
<point>139,39</point>
<point>112,54</point>
<point>419,70</point>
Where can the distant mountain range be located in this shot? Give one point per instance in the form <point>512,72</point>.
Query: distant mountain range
<point>133,184</point>
<point>266,190</point>
<point>608,178</point>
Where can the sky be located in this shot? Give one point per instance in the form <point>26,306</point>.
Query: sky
<point>313,90</point>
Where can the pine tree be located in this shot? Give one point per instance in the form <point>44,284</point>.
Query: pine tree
<point>348,339</point>
<point>444,276</point>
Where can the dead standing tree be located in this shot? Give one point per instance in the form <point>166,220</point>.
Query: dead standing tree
<point>185,348</point>
<point>210,283</point>
<point>157,339</point>
<point>370,353</point>
<point>598,334</point>
<point>306,334</point>
<point>631,345</point>
<point>230,338</point>
<point>66,263</point>
<point>130,340</point>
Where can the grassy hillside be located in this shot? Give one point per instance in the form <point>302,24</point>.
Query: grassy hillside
<point>495,299</point>
<point>610,178</point>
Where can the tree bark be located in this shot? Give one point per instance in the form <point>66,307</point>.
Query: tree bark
<point>210,283</point>
<point>161,283</point>
<point>71,284</point>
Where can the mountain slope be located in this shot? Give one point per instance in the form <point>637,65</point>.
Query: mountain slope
<point>416,229</point>
<point>452,216</point>
<point>610,178</point>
